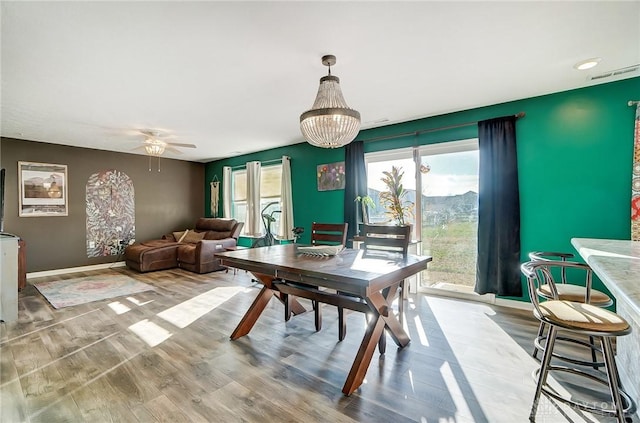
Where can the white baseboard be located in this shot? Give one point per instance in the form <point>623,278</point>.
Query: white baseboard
<point>522,305</point>
<point>469,295</point>
<point>74,269</point>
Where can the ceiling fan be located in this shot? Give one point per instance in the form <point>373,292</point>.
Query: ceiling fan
<point>154,144</point>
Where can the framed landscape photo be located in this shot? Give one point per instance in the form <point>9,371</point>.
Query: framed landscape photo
<point>43,189</point>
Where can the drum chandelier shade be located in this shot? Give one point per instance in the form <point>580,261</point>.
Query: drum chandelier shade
<point>330,123</point>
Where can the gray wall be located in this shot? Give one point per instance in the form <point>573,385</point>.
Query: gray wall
<point>165,201</point>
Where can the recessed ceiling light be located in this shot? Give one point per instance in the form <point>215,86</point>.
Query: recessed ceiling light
<point>587,64</point>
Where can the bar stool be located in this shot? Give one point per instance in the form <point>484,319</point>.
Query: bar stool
<point>576,318</point>
<point>559,288</point>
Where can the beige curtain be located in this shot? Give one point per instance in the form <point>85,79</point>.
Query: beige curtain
<point>226,192</point>
<point>254,222</point>
<point>285,230</point>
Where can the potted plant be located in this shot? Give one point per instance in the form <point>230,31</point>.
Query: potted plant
<point>394,199</point>
<point>365,202</point>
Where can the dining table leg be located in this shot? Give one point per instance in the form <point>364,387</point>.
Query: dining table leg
<point>259,303</point>
<point>381,318</point>
<point>251,316</point>
<point>364,355</point>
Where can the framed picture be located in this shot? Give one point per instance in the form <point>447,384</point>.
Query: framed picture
<point>331,176</point>
<point>43,189</point>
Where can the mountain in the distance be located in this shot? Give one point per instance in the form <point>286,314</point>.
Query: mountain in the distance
<point>436,209</point>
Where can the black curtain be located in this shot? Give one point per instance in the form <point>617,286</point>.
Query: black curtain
<point>498,268</point>
<point>355,173</point>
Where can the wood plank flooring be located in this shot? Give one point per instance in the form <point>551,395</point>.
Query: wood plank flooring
<point>165,355</point>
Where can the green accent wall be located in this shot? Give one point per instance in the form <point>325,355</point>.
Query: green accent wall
<point>574,158</point>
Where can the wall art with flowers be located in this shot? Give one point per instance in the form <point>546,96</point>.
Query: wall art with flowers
<point>330,176</point>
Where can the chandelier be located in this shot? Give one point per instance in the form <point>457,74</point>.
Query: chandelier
<point>330,123</point>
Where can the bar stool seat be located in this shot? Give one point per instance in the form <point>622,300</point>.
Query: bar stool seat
<point>577,318</point>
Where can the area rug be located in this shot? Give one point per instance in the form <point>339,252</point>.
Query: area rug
<point>71,292</point>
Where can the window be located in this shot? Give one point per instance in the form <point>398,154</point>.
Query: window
<point>270,185</point>
<point>377,163</point>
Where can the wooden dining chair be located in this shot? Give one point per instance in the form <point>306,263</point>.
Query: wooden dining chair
<point>324,234</point>
<point>384,238</point>
<point>329,233</point>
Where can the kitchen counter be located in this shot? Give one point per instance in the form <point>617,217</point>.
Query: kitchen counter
<point>617,264</point>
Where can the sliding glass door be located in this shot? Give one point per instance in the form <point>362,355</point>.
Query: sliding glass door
<point>442,182</point>
<point>449,227</point>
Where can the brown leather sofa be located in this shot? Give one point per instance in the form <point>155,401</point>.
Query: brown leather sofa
<point>193,251</point>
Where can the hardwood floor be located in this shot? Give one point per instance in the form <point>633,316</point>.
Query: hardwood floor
<point>165,355</point>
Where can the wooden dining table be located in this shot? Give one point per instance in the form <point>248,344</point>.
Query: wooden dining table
<point>353,279</point>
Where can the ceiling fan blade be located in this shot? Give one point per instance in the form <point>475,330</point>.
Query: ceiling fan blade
<point>173,150</point>
<point>178,144</point>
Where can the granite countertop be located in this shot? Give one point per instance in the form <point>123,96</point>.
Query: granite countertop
<point>617,264</point>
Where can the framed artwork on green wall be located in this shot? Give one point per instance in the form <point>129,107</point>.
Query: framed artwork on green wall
<point>330,176</point>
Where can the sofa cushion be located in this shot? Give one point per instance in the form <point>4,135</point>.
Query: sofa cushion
<point>193,237</point>
<point>213,235</point>
<point>158,243</point>
<point>179,236</point>
<point>215,224</point>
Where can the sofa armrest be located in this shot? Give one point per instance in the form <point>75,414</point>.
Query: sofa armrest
<point>235,232</point>
<point>209,247</point>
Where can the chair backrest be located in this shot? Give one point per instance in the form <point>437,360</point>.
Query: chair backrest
<point>552,255</point>
<point>541,272</point>
<point>387,238</point>
<point>329,233</point>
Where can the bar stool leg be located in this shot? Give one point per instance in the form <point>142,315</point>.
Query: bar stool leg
<point>612,375</point>
<point>544,370</point>
<point>540,333</point>
<point>592,347</point>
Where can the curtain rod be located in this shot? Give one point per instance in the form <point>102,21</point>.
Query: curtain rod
<point>633,102</point>
<point>424,131</point>
<point>263,162</point>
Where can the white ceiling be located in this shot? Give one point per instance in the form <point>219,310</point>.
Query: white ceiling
<point>234,77</point>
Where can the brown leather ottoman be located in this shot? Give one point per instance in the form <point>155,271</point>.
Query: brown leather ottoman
<point>153,255</point>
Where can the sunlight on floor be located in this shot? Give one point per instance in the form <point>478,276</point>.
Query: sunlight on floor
<point>421,333</point>
<point>138,303</point>
<point>149,332</point>
<point>454,390</point>
<point>118,307</point>
<point>187,312</point>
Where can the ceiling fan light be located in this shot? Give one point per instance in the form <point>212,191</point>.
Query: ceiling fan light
<point>154,149</point>
<point>330,123</point>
